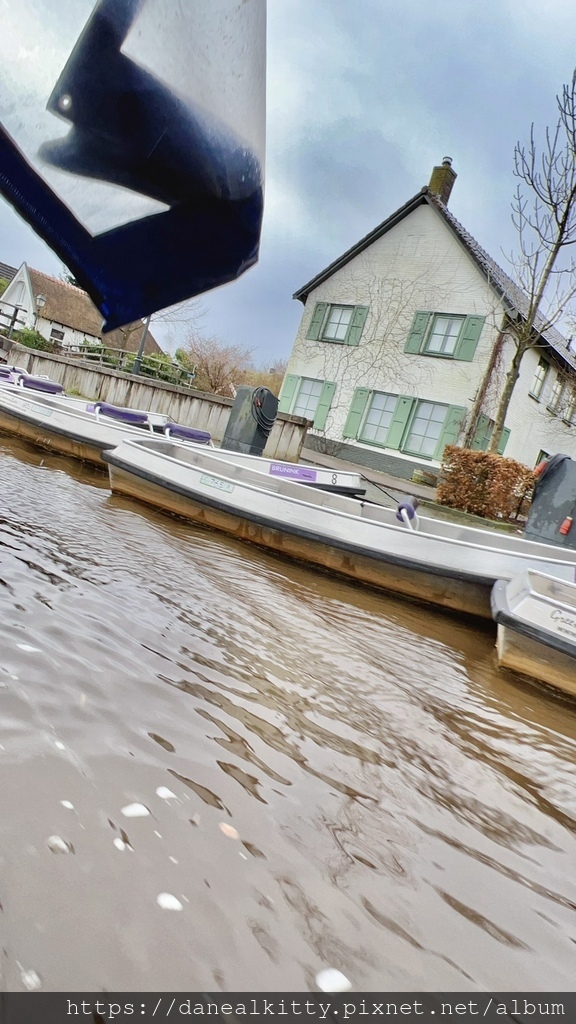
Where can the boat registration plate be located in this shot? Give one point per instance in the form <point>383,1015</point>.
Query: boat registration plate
<point>214,481</point>
<point>19,403</point>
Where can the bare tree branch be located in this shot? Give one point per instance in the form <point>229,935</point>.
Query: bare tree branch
<point>544,215</point>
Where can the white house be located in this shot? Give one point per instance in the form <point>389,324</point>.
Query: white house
<point>63,314</point>
<point>404,345</point>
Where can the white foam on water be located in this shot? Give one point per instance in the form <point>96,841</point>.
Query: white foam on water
<point>58,845</point>
<point>135,811</point>
<point>331,980</point>
<point>31,980</point>
<point>166,793</point>
<point>168,902</point>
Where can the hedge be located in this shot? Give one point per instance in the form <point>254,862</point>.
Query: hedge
<point>484,484</point>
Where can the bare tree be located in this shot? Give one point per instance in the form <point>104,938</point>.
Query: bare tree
<point>268,376</point>
<point>215,364</point>
<point>544,214</point>
<point>185,316</point>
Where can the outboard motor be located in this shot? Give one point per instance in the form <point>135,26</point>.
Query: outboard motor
<point>553,507</point>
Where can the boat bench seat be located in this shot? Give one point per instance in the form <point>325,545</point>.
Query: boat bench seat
<point>116,412</point>
<point>50,387</point>
<point>178,431</point>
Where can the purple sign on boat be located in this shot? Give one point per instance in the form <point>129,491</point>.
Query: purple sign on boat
<point>294,472</point>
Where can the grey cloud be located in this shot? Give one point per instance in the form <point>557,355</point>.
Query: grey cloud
<point>365,98</point>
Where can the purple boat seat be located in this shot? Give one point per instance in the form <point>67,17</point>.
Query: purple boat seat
<point>50,387</point>
<point>187,433</point>
<point>116,412</point>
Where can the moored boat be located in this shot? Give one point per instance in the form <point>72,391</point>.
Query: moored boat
<point>79,428</point>
<point>536,619</point>
<point>442,563</point>
<point>85,429</point>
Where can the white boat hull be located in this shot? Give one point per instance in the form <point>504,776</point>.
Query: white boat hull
<point>51,423</point>
<point>535,660</point>
<point>536,617</point>
<point>449,566</point>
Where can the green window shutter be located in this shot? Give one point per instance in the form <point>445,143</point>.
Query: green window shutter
<point>480,433</point>
<point>354,332</point>
<point>291,381</point>
<point>359,402</point>
<point>400,419</point>
<point>324,403</point>
<point>469,337</point>
<point>503,440</point>
<point>417,332</point>
<point>315,325</point>
<point>451,429</point>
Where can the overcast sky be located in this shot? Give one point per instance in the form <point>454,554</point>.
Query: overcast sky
<point>364,97</point>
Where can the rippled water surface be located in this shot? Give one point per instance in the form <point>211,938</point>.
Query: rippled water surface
<point>326,777</point>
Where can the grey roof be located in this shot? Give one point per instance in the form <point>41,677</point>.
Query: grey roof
<point>506,287</point>
<point>7,272</point>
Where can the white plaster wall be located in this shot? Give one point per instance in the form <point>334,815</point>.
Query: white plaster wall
<point>72,338</point>
<point>532,427</point>
<point>420,265</point>
<point>417,265</point>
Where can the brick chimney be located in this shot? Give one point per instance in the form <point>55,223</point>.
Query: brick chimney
<point>442,180</point>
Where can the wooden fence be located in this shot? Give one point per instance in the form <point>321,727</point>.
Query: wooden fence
<point>10,321</point>
<point>123,359</point>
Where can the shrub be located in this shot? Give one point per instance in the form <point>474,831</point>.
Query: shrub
<point>33,339</point>
<point>484,484</point>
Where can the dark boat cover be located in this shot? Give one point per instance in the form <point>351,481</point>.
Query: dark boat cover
<point>135,149</point>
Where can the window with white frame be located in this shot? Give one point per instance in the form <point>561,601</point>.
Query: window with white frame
<point>556,396</point>
<point>307,397</point>
<point>570,409</point>
<point>443,335</point>
<point>540,376</point>
<point>426,428</point>
<point>379,417</point>
<point>408,424</point>
<point>337,323</point>
<point>56,335</point>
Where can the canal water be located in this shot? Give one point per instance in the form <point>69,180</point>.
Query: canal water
<point>223,771</point>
